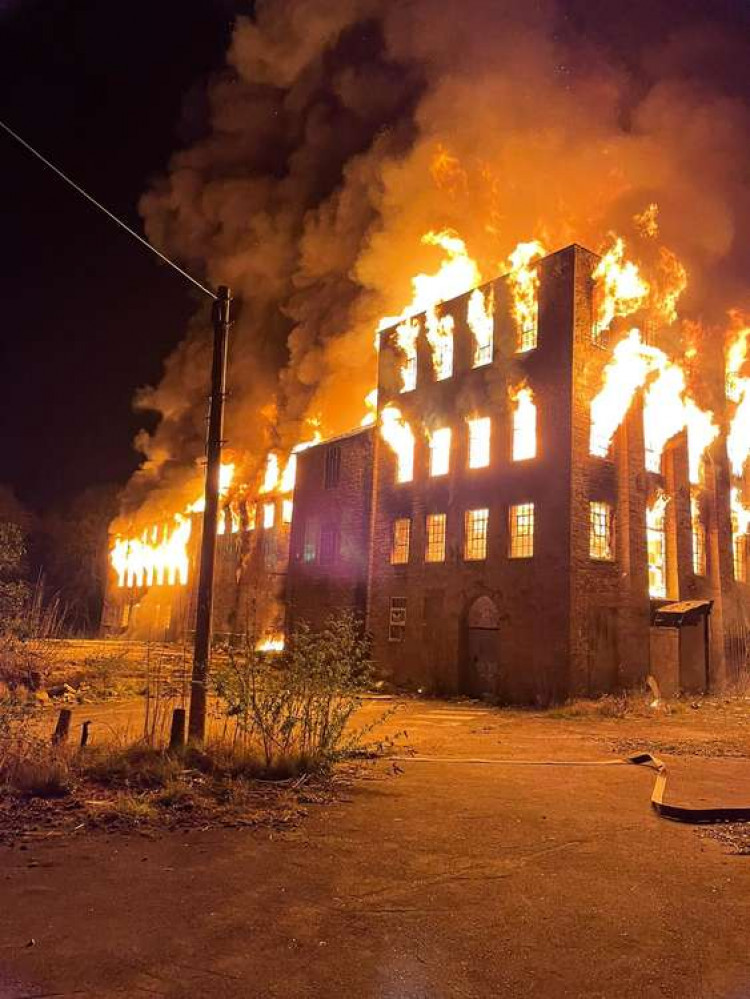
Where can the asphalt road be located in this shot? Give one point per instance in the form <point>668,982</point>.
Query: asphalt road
<point>447,879</point>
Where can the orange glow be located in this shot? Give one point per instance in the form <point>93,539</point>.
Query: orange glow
<point>287,508</point>
<point>524,423</point>
<point>619,288</point>
<point>397,433</point>
<point>523,282</point>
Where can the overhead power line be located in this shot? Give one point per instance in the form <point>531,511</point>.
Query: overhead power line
<point>101,207</point>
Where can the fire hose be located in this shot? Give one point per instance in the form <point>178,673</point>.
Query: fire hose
<point>676,813</point>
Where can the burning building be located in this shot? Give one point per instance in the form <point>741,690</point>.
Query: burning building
<point>541,506</point>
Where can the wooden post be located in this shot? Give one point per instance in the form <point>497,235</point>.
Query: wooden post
<point>177,732</point>
<point>62,729</point>
<point>202,651</point>
<point>85,733</point>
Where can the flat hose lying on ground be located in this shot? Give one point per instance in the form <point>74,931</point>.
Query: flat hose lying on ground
<point>677,813</point>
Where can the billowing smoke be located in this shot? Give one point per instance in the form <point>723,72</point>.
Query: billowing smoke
<point>343,130</point>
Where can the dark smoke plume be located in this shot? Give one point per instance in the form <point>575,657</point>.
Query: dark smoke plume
<point>342,130</point>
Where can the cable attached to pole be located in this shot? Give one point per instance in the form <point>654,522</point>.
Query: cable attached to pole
<point>101,207</point>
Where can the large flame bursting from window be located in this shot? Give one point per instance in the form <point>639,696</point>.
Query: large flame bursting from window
<point>668,408</point>
<point>159,556</point>
<point>619,289</point>
<point>399,436</point>
<point>738,394</point>
<point>523,282</point>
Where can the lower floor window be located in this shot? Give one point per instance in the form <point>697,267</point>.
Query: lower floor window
<point>522,530</point>
<point>475,534</point>
<point>397,619</point>
<point>601,546</point>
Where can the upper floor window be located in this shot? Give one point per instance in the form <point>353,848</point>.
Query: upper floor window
<point>435,534</point>
<point>601,539</point>
<point>480,317</point>
<point>400,541</point>
<point>406,338</point>
<point>440,451</point>
<point>332,470</point>
<point>522,530</point>
<point>475,534</point>
<point>287,508</point>
<point>699,539</point>
<point>439,331</point>
<point>528,331</point>
<point>740,557</point>
<point>479,442</point>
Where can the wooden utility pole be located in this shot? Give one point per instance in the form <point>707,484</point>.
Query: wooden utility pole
<point>202,652</point>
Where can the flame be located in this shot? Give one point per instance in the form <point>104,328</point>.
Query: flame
<point>271,476</point>
<point>671,281</point>
<point>457,274</point>
<point>226,477</point>
<point>397,433</point>
<point>738,392</point>
<point>371,404</point>
<point>480,316</point>
<point>627,372</point>
<point>524,423</point>
<point>146,561</point>
<point>647,222</point>
<point>667,408</point>
<point>439,331</point>
<point>271,643</point>
<point>406,340</point>
<point>161,557</point>
<point>523,282</point>
<point>619,288</point>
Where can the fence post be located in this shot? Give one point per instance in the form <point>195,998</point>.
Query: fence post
<point>177,732</point>
<point>62,729</point>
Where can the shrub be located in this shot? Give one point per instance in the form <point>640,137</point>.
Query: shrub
<point>296,706</point>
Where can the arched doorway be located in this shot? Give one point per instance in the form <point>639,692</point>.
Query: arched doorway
<point>482,626</point>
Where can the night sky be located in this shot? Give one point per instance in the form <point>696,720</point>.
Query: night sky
<point>106,91</point>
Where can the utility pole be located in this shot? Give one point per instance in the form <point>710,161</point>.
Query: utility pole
<point>202,652</point>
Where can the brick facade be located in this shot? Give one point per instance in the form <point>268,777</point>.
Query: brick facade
<point>532,629</point>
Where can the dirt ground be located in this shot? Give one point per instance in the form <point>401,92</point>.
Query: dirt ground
<point>428,879</point>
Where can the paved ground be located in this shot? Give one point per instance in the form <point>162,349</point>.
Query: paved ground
<point>448,879</point>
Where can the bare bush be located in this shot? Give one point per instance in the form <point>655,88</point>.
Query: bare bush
<point>296,707</point>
